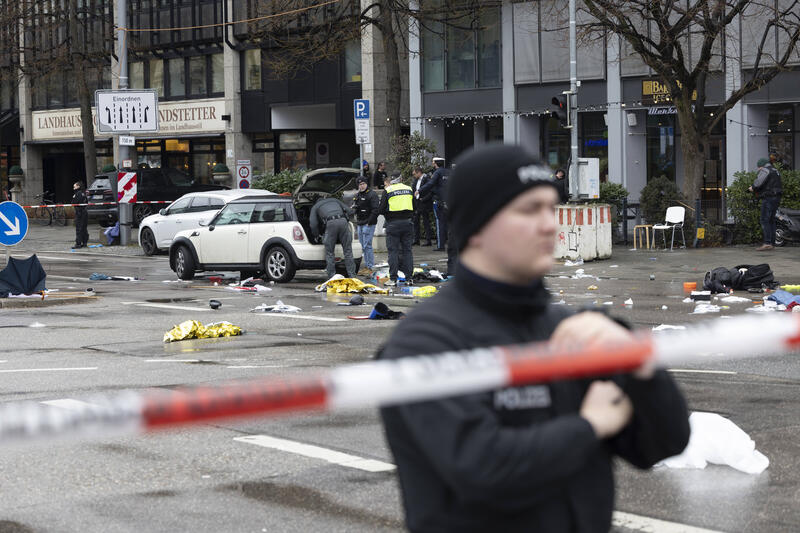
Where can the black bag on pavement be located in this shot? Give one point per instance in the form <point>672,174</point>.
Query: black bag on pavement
<point>719,280</point>
<point>754,277</point>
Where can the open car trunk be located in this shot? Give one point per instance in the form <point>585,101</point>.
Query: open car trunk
<point>319,184</point>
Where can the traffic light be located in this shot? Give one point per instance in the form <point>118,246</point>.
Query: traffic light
<point>561,111</point>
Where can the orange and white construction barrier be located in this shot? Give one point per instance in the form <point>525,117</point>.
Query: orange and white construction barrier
<point>392,382</point>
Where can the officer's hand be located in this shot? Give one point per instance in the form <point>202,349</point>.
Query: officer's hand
<point>606,408</point>
<point>589,330</point>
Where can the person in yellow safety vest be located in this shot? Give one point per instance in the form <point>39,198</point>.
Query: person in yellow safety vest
<point>397,208</point>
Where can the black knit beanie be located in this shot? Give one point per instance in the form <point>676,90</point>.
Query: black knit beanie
<point>484,181</point>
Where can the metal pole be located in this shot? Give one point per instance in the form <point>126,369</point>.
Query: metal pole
<point>361,162</point>
<point>573,111</point>
<point>125,152</point>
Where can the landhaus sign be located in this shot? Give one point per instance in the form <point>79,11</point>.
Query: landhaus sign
<point>174,119</point>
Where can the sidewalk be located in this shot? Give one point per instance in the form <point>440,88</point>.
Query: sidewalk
<point>61,238</point>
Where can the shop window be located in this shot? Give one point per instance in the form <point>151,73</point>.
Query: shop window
<point>217,74</point>
<point>197,76</point>
<point>156,80</point>
<point>136,75</point>
<point>252,70</point>
<point>292,151</point>
<point>177,77</point>
<point>661,146</point>
<point>780,134</point>
<point>176,145</point>
<point>594,140</point>
<point>352,61</point>
<point>293,141</point>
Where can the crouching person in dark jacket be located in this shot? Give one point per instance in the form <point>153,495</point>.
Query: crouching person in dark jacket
<point>524,458</point>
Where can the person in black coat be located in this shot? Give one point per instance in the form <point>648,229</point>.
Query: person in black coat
<point>379,176</point>
<point>365,205</point>
<point>522,458</point>
<point>562,184</point>
<point>423,208</point>
<point>81,216</point>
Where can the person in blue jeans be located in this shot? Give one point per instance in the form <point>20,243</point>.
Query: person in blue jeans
<point>769,188</point>
<point>365,205</point>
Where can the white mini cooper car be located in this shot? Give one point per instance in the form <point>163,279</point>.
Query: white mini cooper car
<point>263,234</point>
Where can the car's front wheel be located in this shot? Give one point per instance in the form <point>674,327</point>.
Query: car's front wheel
<point>184,263</point>
<point>148,241</point>
<point>278,265</point>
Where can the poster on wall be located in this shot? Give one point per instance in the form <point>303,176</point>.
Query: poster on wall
<point>323,154</point>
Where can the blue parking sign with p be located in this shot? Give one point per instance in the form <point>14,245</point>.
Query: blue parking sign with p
<point>361,109</point>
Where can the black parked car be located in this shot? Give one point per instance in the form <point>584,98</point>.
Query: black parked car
<point>165,184</point>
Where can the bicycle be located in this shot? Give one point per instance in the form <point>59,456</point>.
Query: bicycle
<point>48,213</point>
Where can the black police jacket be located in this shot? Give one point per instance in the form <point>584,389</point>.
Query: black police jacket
<point>79,197</point>
<point>365,205</point>
<point>519,458</point>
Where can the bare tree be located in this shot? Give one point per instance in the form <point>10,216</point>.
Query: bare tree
<point>661,34</point>
<point>63,43</point>
<point>298,39</point>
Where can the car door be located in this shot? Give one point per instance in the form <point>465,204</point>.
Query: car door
<point>225,241</point>
<point>166,226</point>
<point>265,223</point>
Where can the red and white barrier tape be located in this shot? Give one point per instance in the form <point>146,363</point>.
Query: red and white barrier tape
<point>391,382</point>
<point>97,203</point>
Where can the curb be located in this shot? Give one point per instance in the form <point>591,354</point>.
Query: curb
<point>23,303</point>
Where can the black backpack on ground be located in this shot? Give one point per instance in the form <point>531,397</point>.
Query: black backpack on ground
<point>741,278</point>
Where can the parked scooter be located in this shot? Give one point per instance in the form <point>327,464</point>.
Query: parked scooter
<point>787,226</point>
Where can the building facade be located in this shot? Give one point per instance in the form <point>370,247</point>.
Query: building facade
<point>218,100</point>
<point>468,87</point>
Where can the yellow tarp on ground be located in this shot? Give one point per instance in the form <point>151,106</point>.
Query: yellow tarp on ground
<point>193,329</point>
<point>424,292</point>
<point>350,285</point>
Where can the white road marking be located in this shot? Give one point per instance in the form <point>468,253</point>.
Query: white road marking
<point>56,258</point>
<point>653,525</point>
<point>172,360</point>
<point>305,317</point>
<point>47,369</point>
<point>69,403</point>
<point>691,371</point>
<point>167,306</point>
<point>257,366</point>
<point>4,361</point>
<point>316,452</point>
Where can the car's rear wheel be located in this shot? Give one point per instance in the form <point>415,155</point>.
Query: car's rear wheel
<point>148,242</point>
<point>140,211</point>
<point>278,265</point>
<point>184,263</point>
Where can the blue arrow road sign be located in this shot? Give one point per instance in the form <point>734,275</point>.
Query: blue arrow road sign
<point>361,109</point>
<point>13,223</point>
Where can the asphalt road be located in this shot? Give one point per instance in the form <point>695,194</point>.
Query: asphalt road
<point>235,475</point>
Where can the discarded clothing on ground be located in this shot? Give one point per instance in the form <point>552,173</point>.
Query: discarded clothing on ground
<point>381,311</point>
<point>103,277</point>
<point>427,276</point>
<point>111,233</point>
<point>193,329</point>
<point>23,276</point>
<point>785,298</point>
<point>278,307</point>
<point>341,284</point>
<point>742,277</point>
<point>717,440</point>
<point>355,300</point>
<point>424,292</point>
<point>791,288</point>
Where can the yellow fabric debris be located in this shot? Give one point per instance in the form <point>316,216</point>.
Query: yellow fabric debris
<point>193,329</point>
<point>424,292</point>
<point>791,288</point>
<point>353,285</point>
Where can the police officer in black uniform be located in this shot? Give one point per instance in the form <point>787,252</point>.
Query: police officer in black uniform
<point>438,187</point>
<point>530,457</point>
<point>333,214</point>
<point>81,216</point>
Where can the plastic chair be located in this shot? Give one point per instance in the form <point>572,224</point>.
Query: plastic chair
<point>674,220</point>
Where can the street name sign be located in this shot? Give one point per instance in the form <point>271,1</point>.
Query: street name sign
<point>126,111</point>
<point>13,223</point>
